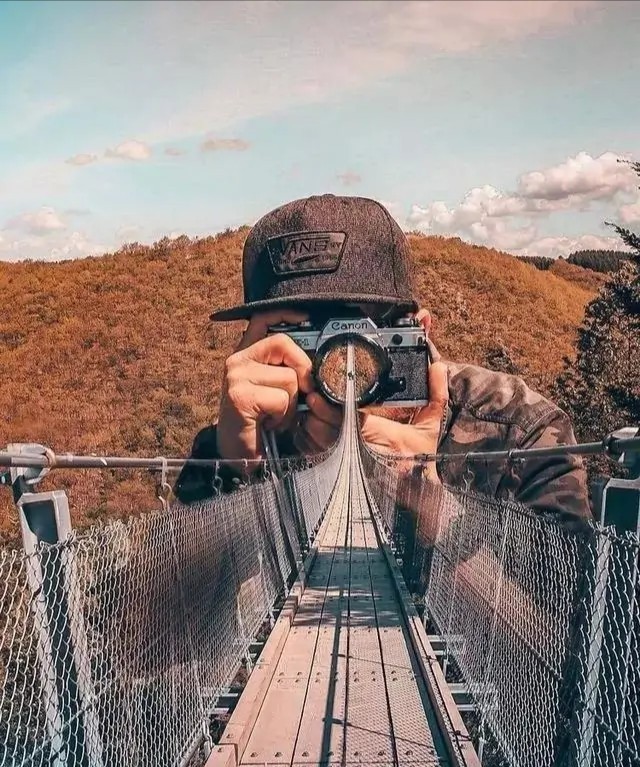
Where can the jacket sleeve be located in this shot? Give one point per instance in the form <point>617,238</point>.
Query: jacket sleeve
<point>555,485</point>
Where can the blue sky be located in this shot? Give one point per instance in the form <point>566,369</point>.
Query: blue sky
<point>500,122</point>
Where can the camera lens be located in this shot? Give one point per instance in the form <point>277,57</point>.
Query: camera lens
<point>371,368</point>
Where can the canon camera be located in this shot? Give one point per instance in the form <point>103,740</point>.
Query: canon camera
<point>390,364</point>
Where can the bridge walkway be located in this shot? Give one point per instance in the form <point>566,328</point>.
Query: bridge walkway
<point>344,677</point>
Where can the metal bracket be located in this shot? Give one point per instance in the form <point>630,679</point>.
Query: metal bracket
<point>25,478</point>
<point>621,497</point>
<point>629,459</point>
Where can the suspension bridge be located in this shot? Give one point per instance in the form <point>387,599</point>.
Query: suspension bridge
<point>272,625</point>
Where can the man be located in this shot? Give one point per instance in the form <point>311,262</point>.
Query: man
<point>327,255</point>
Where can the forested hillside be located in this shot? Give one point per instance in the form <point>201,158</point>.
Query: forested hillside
<point>115,355</point>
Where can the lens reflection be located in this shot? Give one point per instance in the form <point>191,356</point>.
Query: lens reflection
<point>368,367</point>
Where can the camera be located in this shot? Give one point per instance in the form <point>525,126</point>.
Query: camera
<point>390,363</point>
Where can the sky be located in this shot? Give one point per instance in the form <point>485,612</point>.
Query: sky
<point>499,122</point>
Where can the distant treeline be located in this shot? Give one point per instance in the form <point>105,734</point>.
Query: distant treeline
<point>603,261</point>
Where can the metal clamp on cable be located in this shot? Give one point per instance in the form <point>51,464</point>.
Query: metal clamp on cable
<point>24,478</point>
<point>628,459</point>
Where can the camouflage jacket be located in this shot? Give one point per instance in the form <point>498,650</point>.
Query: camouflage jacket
<point>486,411</point>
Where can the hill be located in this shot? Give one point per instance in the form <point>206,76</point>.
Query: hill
<point>115,355</point>
<point>583,276</point>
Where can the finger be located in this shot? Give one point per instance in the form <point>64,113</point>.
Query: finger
<point>269,405</point>
<point>438,384</point>
<point>323,410</point>
<point>262,321</point>
<point>278,377</point>
<point>424,318</point>
<point>438,393</point>
<point>280,349</point>
<point>379,432</point>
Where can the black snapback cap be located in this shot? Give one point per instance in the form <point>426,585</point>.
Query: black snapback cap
<point>324,249</point>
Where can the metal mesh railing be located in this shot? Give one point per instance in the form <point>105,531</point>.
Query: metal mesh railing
<point>116,643</point>
<point>540,619</point>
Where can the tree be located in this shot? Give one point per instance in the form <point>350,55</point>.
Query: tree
<point>598,260</point>
<point>600,388</point>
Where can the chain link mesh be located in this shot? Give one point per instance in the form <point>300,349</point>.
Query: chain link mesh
<point>116,644</point>
<point>540,618</point>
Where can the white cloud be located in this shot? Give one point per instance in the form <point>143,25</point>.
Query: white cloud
<point>128,232</point>
<point>39,222</point>
<point>468,24</point>
<point>482,216</point>
<point>55,245</point>
<point>44,236</point>
<point>130,150</point>
<point>555,247</point>
<point>127,150</point>
<point>76,245</point>
<point>19,248</point>
<point>173,151</point>
<point>497,234</point>
<point>630,213</point>
<point>478,204</point>
<point>510,220</point>
<point>227,144</point>
<point>396,211</point>
<point>82,159</point>
<point>582,177</point>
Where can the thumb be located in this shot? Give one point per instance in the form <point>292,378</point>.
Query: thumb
<point>438,394</point>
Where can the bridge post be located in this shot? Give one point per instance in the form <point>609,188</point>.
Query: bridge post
<point>621,510</point>
<point>614,618</point>
<point>64,662</point>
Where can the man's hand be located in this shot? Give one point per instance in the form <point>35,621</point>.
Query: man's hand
<point>322,423</point>
<point>261,384</point>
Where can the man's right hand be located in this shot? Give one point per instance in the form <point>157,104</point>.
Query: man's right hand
<point>261,384</point>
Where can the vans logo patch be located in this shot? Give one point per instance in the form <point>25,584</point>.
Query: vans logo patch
<point>305,252</point>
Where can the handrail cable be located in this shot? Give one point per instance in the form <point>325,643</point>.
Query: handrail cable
<point>611,445</point>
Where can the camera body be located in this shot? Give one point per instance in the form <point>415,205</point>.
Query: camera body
<point>400,350</point>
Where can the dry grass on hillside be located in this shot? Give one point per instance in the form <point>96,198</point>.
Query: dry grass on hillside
<point>585,278</point>
<point>482,299</point>
<point>115,355</point>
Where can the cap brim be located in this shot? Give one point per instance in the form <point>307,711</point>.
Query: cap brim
<point>244,311</point>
